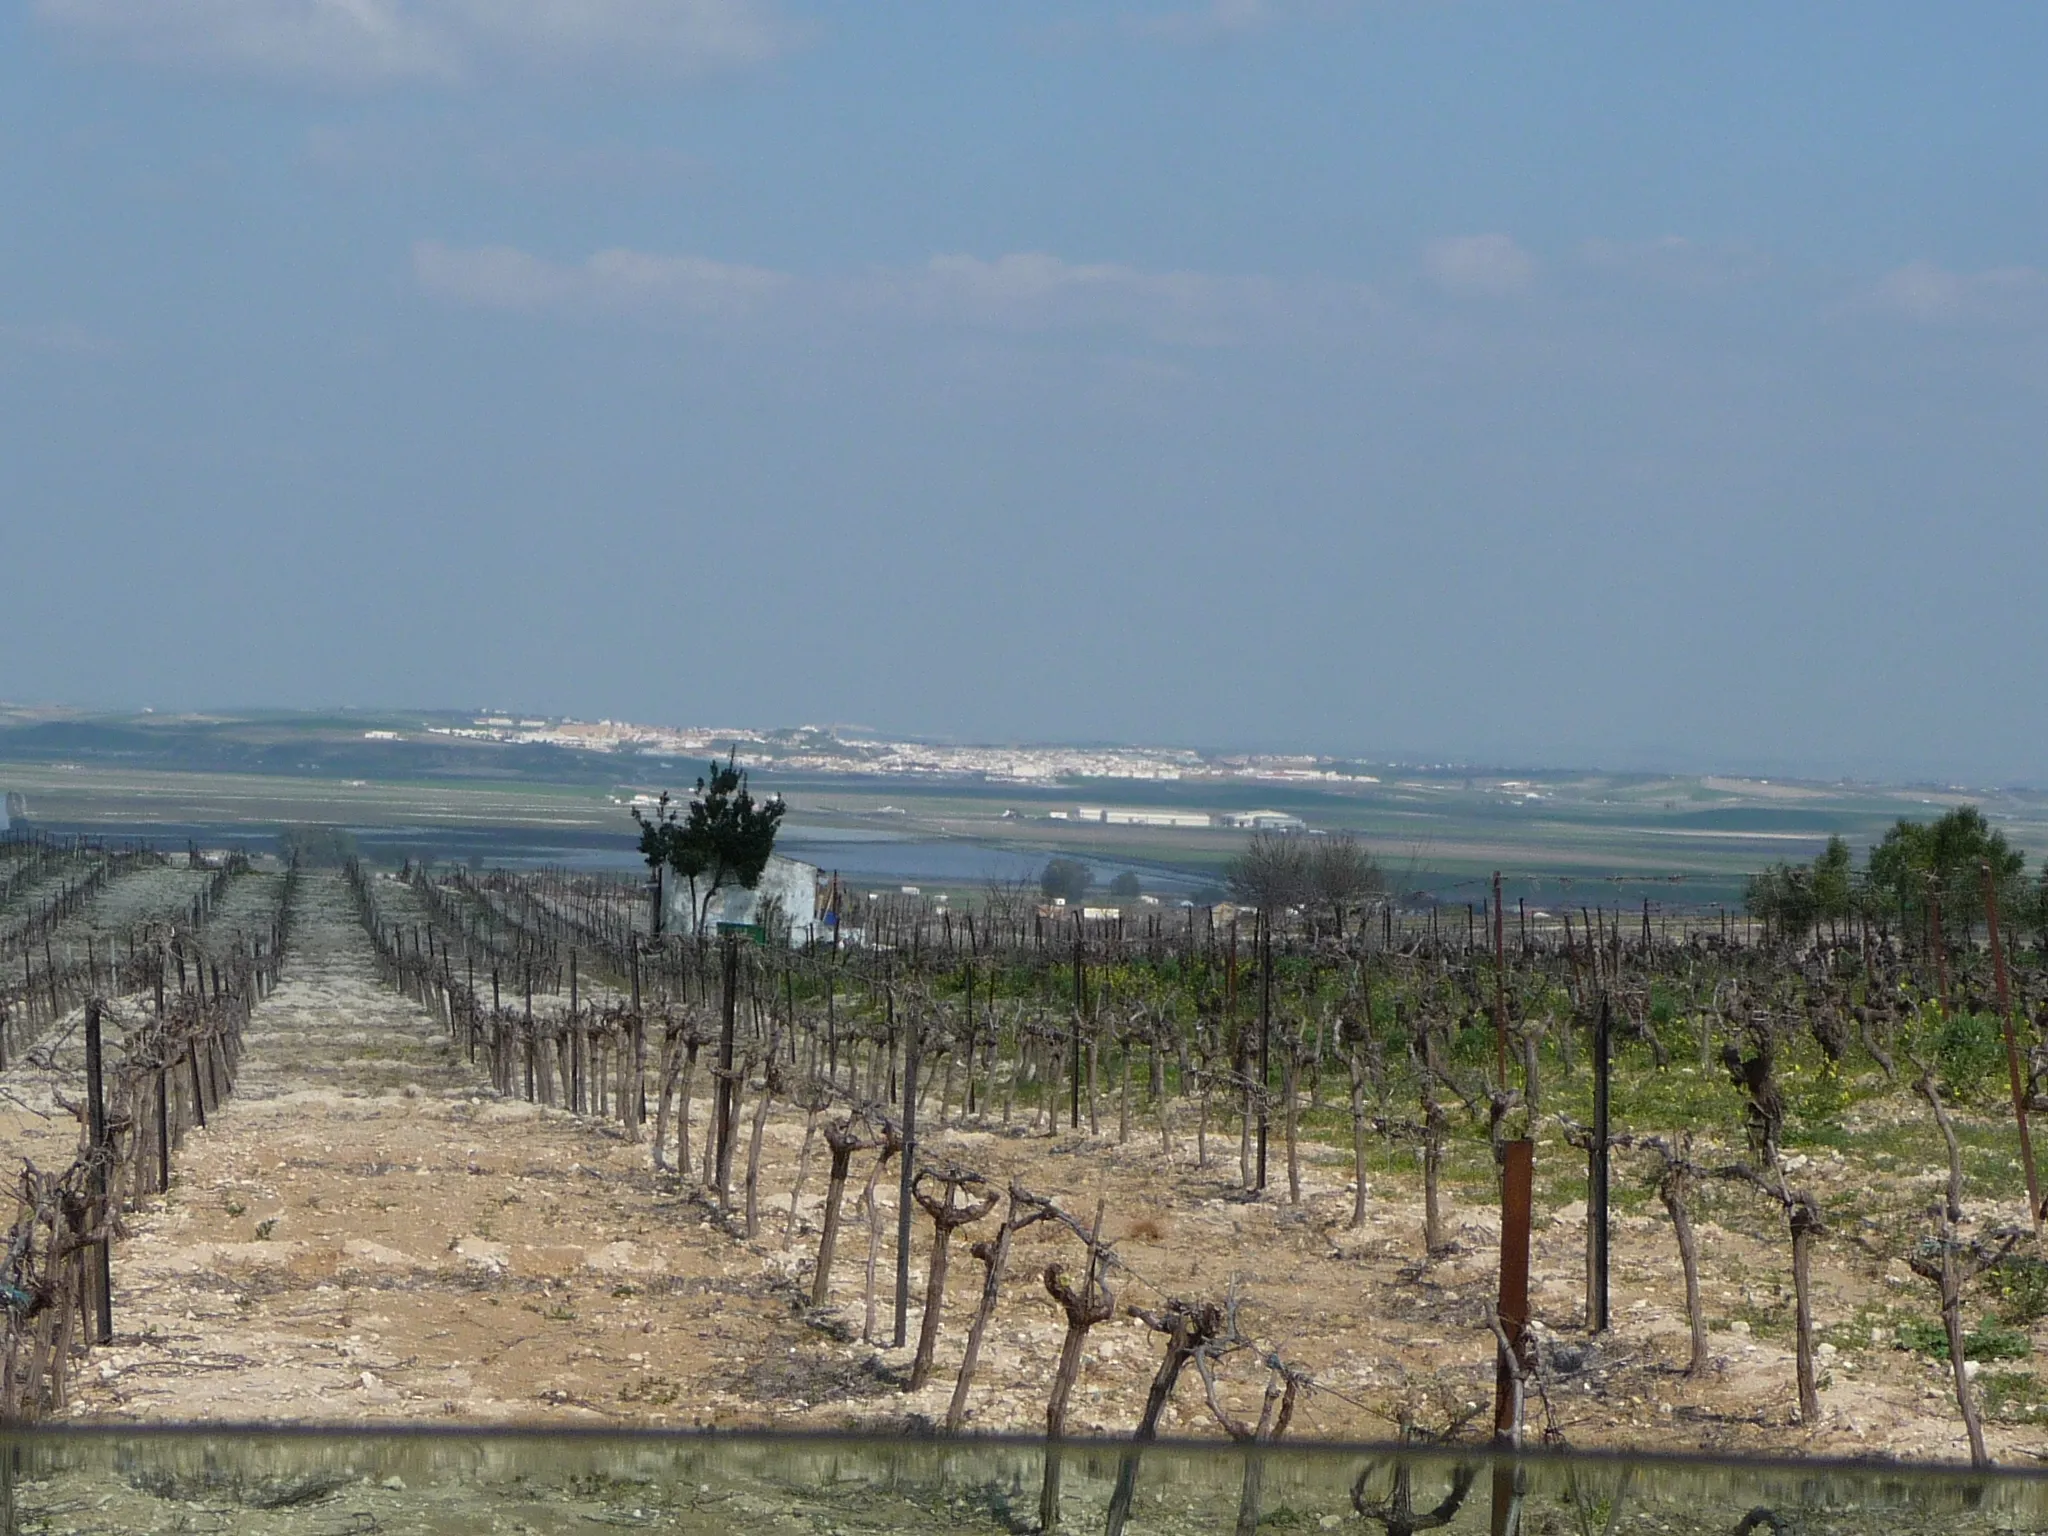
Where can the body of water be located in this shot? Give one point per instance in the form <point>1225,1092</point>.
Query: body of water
<point>856,854</point>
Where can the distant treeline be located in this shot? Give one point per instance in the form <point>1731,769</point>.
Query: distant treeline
<point>1953,872</point>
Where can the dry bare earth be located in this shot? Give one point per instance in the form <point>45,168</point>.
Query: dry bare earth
<point>365,1232</point>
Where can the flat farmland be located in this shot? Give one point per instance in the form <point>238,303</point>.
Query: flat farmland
<point>1566,839</point>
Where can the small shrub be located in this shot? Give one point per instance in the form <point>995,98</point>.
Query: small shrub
<point>2014,1397</point>
<point>1968,1047</point>
<point>650,1391</point>
<point>265,1227</point>
<point>1989,1342</point>
<point>2020,1284</point>
<point>1663,1006</point>
<point>1286,1519</point>
<point>1474,1042</point>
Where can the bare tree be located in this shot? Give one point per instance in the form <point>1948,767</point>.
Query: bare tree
<point>1342,876</point>
<point>1272,873</point>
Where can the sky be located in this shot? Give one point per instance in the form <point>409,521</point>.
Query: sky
<point>1567,384</point>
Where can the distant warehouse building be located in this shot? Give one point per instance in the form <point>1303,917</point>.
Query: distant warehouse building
<point>786,899</point>
<point>1113,816</point>
<point>1264,821</point>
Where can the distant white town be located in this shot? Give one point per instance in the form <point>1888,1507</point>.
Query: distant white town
<point>818,749</point>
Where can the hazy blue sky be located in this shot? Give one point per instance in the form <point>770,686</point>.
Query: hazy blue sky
<point>1611,383</point>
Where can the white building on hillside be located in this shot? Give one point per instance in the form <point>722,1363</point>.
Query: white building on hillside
<point>787,896</point>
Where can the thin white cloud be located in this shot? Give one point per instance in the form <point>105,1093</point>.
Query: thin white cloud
<point>1220,21</point>
<point>1479,266</point>
<point>1672,261</point>
<point>617,281</point>
<point>58,340</point>
<point>1925,292</point>
<point>1034,291</point>
<point>355,43</point>
<point>1213,22</point>
<point>386,151</point>
<point>490,276</point>
<point>1022,292</point>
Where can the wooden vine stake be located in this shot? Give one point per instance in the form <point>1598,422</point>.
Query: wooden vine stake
<point>1597,1158</point>
<point>2012,1049</point>
<point>101,1153</point>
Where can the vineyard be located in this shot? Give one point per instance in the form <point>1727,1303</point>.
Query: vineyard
<point>495,1153</point>
<point>113,1052</point>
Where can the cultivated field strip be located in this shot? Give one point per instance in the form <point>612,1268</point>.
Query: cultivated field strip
<point>135,913</point>
<point>366,1231</point>
<point>42,1086</point>
<point>141,1092</point>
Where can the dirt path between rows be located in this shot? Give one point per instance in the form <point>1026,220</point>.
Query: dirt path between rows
<point>365,1232</point>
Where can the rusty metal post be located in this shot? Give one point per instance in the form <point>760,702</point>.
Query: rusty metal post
<point>1517,1194</point>
<point>2012,1049</point>
<point>163,1129</point>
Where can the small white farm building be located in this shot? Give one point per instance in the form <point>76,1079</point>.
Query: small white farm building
<point>1264,821</point>
<point>786,897</point>
<point>1121,816</point>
